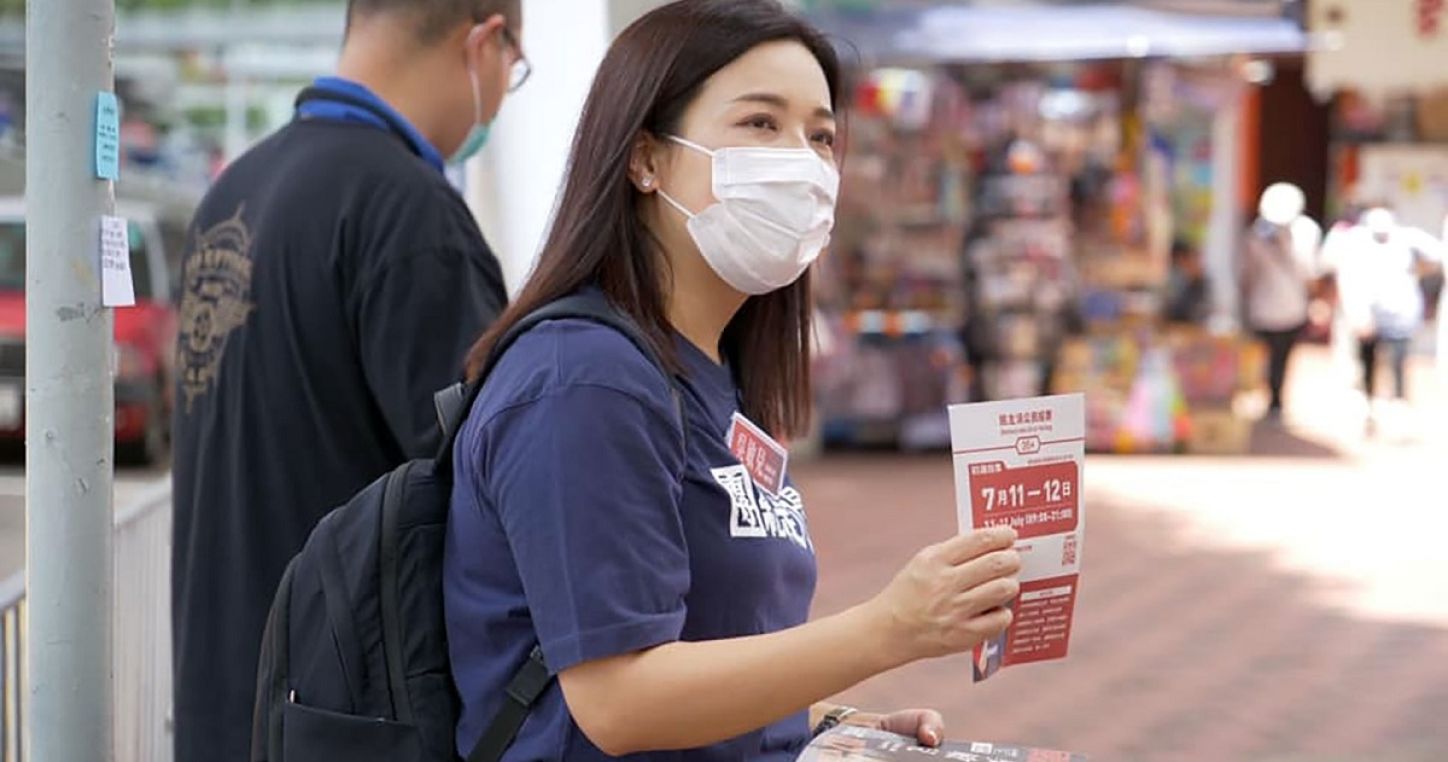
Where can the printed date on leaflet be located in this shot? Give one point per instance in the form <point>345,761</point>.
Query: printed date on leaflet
<point>1035,500</point>
<point>1019,496</point>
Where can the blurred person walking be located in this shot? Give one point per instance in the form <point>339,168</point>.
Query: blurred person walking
<point>1382,296</point>
<point>1278,266</point>
<point>1336,245</point>
<point>333,281</point>
<point>1441,353</point>
<point>639,527</point>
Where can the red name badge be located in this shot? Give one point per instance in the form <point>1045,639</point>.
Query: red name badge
<point>764,458</point>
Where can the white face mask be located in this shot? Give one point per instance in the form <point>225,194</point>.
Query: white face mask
<point>775,212</point>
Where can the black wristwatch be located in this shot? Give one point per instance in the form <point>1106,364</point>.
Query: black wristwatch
<point>833,718</point>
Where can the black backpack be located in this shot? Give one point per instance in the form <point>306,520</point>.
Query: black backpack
<point>354,660</point>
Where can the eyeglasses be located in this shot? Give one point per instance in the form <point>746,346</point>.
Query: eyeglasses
<point>522,70</point>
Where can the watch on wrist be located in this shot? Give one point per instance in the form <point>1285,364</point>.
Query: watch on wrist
<point>833,718</point>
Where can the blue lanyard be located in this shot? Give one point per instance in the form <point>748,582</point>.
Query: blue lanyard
<point>340,100</point>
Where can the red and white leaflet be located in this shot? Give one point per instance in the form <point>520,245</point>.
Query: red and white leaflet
<point>1019,463</point>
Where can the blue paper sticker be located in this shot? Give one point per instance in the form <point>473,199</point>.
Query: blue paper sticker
<point>108,136</point>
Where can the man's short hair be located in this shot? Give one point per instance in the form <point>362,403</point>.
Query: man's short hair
<point>432,19</point>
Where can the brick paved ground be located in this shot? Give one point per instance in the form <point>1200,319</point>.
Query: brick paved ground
<point>1290,606</point>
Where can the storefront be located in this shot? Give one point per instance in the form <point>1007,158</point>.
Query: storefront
<point>1379,67</point>
<point>1009,222</point>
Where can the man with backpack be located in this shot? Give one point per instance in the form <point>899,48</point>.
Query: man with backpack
<point>333,281</point>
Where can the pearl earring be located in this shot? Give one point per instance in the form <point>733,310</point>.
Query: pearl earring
<point>648,182</point>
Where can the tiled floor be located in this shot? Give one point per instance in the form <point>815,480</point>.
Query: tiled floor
<point>1292,605</point>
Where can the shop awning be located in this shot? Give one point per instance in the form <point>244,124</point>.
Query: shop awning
<point>968,34</point>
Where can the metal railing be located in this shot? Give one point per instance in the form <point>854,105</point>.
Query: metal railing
<point>12,666</point>
<point>142,622</point>
<point>141,637</point>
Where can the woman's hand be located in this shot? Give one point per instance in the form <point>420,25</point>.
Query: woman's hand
<point>924,725</point>
<point>951,597</point>
<point>684,694</point>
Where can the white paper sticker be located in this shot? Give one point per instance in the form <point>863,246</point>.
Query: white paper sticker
<point>117,288</point>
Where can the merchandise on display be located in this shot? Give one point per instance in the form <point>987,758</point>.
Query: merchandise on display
<point>1171,390</point>
<point>893,286</point>
<point>1019,219</point>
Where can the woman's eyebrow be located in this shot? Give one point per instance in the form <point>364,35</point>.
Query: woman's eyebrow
<point>779,101</point>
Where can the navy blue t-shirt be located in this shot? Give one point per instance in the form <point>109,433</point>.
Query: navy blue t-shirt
<point>583,521</point>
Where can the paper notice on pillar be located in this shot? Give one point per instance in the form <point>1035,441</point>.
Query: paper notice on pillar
<point>117,287</point>
<point>1019,463</point>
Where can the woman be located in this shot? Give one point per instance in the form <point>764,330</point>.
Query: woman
<point>668,591</point>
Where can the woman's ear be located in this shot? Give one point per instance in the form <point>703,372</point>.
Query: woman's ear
<point>644,162</point>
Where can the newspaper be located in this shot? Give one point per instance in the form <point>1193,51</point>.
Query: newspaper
<point>849,743</point>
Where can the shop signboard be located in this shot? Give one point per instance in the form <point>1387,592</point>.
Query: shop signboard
<point>1412,180</point>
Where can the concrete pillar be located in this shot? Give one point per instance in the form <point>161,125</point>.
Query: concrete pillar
<point>69,389</point>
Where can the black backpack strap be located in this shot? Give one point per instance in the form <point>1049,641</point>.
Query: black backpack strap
<point>451,405</point>
<point>273,675</point>
<point>524,690</point>
<point>387,588</point>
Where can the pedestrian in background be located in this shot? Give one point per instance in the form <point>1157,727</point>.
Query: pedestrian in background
<point>1380,279</point>
<point>333,281</point>
<point>602,510</point>
<point>1279,263</point>
<point>1336,245</point>
<point>1441,355</point>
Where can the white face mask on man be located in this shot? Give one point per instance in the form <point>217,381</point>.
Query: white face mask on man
<point>775,212</point>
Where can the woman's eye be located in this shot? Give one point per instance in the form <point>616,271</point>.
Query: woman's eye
<point>760,123</point>
<point>824,138</point>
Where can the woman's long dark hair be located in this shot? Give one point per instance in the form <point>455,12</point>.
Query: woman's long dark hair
<point>648,79</point>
